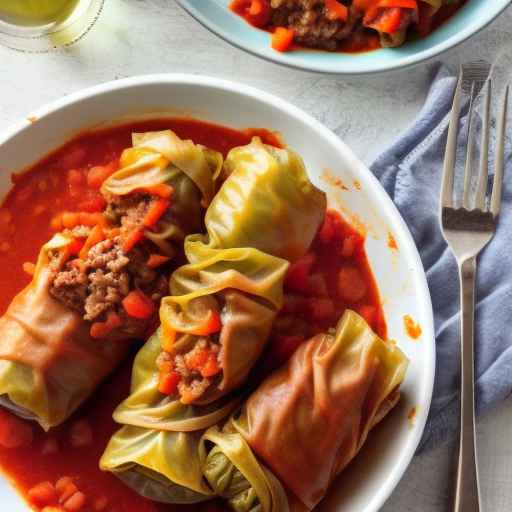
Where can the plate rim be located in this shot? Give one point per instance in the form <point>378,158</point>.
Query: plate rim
<point>400,64</point>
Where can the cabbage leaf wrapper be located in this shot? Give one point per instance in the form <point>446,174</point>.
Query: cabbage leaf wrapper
<point>234,473</point>
<point>49,364</point>
<point>264,216</point>
<point>311,417</point>
<point>156,452</point>
<point>161,465</point>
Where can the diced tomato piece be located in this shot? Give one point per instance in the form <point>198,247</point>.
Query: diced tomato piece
<point>51,508</point>
<point>66,489</point>
<point>132,239</point>
<point>317,285</point>
<point>211,367</point>
<point>29,268</point>
<point>351,285</point>
<point>336,10</point>
<point>168,382</point>
<point>348,246</point>
<point>297,277</point>
<point>76,502</point>
<point>103,329</point>
<point>80,434</point>
<point>138,305</point>
<point>256,12</point>
<point>387,21</point>
<point>321,309</point>
<point>75,177</point>
<point>295,304</point>
<point>62,484</point>
<point>42,494</point>
<point>14,432</point>
<point>196,359</point>
<point>282,39</point>
<point>328,229</point>
<point>73,157</point>
<point>99,173</point>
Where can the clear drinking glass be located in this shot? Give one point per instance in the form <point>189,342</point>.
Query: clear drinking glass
<point>41,25</point>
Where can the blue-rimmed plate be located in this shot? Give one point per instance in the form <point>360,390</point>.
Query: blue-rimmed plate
<point>472,17</point>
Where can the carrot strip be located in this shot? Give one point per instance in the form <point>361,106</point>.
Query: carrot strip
<point>168,337</point>
<point>162,190</point>
<point>156,210</point>
<point>156,260</point>
<point>133,239</point>
<point>95,236</point>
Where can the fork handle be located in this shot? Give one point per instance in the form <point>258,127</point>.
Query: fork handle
<point>467,490</point>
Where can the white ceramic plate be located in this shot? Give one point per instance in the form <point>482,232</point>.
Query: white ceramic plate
<point>470,19</point>
<point>369,481</point>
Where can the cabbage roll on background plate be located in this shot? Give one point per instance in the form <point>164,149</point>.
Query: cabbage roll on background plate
<point>98,282</point>
<point>215,326</point>
<point>310,418</point>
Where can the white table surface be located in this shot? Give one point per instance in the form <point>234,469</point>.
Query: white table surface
<point>153,36</point>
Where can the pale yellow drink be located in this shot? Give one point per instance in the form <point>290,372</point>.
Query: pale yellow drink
<point>36,12</point>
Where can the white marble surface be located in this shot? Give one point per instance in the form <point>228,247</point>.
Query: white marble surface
<point>153,36</point>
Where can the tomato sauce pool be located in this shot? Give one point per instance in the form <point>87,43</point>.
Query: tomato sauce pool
<point>334,275</point>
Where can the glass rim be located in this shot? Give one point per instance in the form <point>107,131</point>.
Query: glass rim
<point>39,39</point>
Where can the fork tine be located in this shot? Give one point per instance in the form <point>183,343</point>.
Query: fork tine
<point>469,151</point>
<point>451,148</point>
<point>500,157</point>
<point>483,173</point>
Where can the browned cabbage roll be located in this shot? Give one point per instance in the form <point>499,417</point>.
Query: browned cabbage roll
<point>310,418</point>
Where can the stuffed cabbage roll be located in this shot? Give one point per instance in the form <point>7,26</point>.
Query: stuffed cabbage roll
<point>217,320</point>
<point>156,452</point>
<point>99,281</point>
<point>310,418</point>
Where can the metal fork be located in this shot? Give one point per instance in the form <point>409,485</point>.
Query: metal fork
<point>468,224</point>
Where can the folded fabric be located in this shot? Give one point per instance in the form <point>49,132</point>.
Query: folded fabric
<point>410,171</point>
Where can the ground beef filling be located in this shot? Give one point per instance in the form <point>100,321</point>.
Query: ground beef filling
<point>313,27</point>
<point>96,285</point>
<point>197,369</point>
<point>311,24</point>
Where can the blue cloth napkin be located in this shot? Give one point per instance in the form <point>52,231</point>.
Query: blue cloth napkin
<point>410,171</point>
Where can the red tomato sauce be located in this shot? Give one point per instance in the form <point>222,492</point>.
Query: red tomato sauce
<point>333,276</point>
<point>25,224</point>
